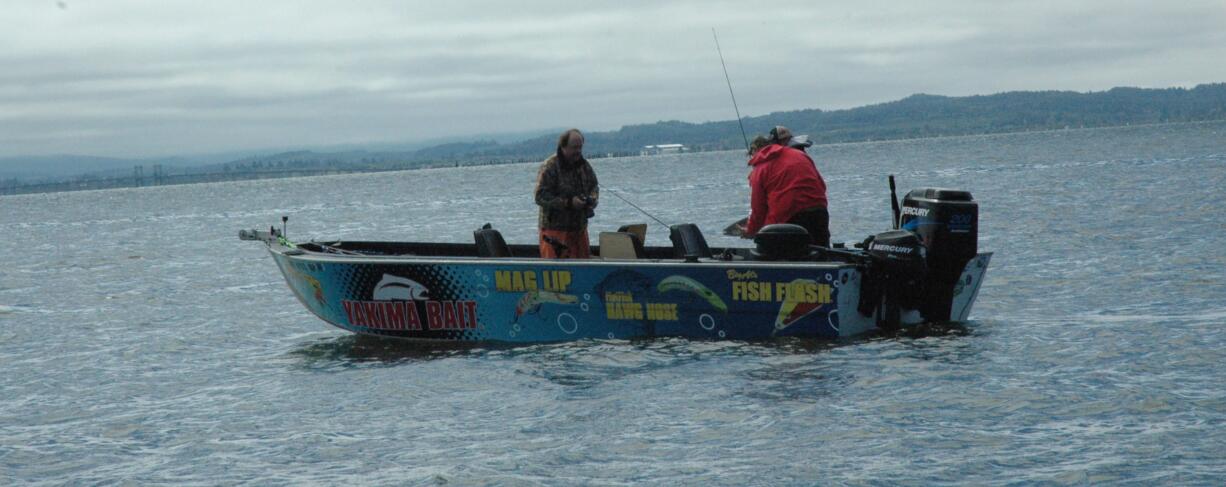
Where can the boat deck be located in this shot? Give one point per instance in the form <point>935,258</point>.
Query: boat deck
<point>525,252</point>
<point>441,249</point>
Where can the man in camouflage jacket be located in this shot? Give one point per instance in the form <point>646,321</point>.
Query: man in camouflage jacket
<point>567,192</point>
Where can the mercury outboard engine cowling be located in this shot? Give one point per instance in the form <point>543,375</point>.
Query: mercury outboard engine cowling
<point>947,222</point>
<point>899,251</point>
<point>895,275</point>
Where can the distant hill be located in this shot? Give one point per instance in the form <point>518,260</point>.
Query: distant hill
<point>916,116</point>
<point>930,116</point>
<point>59,166</point>
<point>374,155</point>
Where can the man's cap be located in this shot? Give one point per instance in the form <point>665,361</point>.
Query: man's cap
<point>780,134</point>
<point>800,142</point>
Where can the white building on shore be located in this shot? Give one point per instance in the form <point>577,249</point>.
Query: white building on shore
<point>655,150</point>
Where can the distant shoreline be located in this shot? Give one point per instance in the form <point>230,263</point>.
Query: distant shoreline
<point>1017,132</point>
<point>919,116</point>
<point>94,184</point>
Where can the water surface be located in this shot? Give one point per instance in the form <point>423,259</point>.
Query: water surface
<point>141,342</point>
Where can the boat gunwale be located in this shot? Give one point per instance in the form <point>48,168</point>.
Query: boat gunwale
<point>303,254</point>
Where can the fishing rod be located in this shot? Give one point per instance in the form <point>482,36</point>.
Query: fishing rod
<point>730,93</point>
<point>649,215</point>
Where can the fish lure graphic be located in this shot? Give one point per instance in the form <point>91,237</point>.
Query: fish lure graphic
<point>682,283</point>
<point>532,300</point>
<point>317,289</point>
<point>793,308</point>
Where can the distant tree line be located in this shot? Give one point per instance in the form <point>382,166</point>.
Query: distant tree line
<point>916,116</point>
<point>922,115</point>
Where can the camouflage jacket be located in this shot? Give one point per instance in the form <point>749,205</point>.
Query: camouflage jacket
<point>557,183</point>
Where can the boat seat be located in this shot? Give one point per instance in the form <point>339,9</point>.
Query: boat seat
<point>688,242</point>
<point>620,245</point>
<point>638,229</point>
<point>490,243</point>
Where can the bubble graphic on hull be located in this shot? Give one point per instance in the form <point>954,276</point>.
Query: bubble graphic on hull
<point>572,328</point>
<point>707,322</point>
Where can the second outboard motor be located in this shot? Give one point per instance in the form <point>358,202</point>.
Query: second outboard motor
<point>899,252</point>
<point>782,241</point>
<point>947,222</point>
<point>895,276</point>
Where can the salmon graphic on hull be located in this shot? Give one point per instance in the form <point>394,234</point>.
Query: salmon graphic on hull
<point>400,288</point>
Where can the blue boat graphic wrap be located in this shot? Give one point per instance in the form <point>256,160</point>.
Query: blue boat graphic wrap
<point>539,302</point>
<point>928,271</point>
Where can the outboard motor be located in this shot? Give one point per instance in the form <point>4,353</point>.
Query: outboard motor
<point>947,222</point>
<point>782,241</point>
<point>895,276</point>
<point>899,252</point>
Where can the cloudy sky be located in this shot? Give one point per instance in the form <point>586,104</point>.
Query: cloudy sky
<point>128,78</point>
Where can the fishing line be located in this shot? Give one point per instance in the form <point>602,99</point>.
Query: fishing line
<point>730,93</point>
<point>614,193</point>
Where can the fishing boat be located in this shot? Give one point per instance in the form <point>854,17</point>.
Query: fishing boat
<point>927,269</point>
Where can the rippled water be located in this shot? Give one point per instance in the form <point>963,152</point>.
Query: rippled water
<point>142,342</point>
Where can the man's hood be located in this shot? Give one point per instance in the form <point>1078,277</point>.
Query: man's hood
<point>767,154</point>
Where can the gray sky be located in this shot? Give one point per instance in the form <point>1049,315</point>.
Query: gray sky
<point>129,78</point>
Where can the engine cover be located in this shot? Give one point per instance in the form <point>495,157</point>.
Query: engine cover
<point>899,251</point>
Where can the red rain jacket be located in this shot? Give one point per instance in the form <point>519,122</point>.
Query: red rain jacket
<point>783,182</point>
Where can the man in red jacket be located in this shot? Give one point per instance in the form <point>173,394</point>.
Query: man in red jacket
<point>785,187</point>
